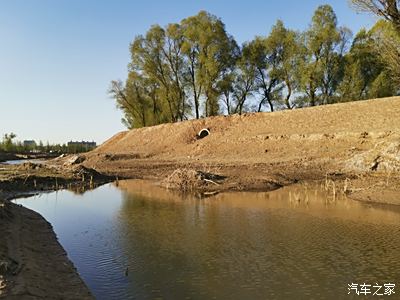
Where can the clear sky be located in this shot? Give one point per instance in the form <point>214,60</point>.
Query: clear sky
<point>57,57</point>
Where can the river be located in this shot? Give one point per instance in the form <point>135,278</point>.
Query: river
<point>139,241</point>
<point>22,161</point>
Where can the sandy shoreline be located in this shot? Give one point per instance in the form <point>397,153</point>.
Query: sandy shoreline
<point>34,264</point>
<point>38,267</point>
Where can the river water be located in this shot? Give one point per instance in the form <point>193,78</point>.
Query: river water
<point>138,241</point>
<point>22,161</point>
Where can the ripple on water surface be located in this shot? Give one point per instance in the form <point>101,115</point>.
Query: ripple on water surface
<point>138,241</point>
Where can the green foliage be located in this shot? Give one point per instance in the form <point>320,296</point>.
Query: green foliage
<point>287,50</point>
<point>7,144</point>
<point>268,81</point>
<point>367,75</point>
<point>189,69</point>
<point>322,68</point>
<point>387,33</point>
<point>10,146</point>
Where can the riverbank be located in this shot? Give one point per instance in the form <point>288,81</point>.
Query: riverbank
<point>18,156</point>
<point>7,156</point>
<point>33,265</point>
<point>353,146</point>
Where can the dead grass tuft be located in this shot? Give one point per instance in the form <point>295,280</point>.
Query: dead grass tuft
<point>184,180</point>
<point>187,180</point>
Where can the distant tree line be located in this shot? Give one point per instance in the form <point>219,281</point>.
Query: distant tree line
<point>9,145</point>
<point>196,69</point>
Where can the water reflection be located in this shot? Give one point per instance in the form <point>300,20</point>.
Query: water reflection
<point>291,243</point>
<point>22,161</point>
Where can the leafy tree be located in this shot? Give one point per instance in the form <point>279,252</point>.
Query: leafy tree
<point>126,104</point>
<point>325,44</point>
<point>226,89</point>
<point>388,9</point>
<point>156,58</point>
<point>168,65</point>
<point>267,80</point>
<point>286,46</point>
<point>211,54</point>
<point>189,68</point>
<point>389,46</point>
<point>244,81</point>
<point>382,86</point>
<point>362,67</point>
<point>7,143</point>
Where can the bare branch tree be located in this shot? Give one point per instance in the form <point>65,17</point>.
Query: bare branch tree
<point>387,9</point>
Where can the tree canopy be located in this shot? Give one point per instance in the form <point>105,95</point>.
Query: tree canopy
<point>195,68</point>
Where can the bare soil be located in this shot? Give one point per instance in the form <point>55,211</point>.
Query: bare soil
<point>33,265</point>
<point>354,148</point>
<point>356,145</point>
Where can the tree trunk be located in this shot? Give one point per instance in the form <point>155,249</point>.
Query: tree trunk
<point>260,104</point>
<point>289,87</point>
<point>270,105</point>
<point>241,104</point>
<point>196,98</point>
<point>312,100</point>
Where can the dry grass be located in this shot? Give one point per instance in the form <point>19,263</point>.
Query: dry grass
<point>184,180</point>
<point>189,179</point>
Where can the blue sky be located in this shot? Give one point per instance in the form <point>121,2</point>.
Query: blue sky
<point>57,57</point>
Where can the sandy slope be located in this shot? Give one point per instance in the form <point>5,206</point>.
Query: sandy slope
<point>257,149</point>
<point>33,263</point>
<point>356,145</point>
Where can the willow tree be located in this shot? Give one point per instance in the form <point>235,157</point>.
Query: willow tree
<point>325,44</point>
<point>285,46</point>
<point>266,80</point>
<point>210,53</point>
<point>387,9</point>
<point>157,56</point>
<point>133,100</point>
<point>389,47</point>
<point>243,82</point>
<point>362,68</point>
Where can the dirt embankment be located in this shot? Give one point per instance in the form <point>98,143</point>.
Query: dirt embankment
<point>353,147</point>
<point>7,156</point>
<point>33,265</point>
<point>356,144</point>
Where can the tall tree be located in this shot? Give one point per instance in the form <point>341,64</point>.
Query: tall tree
<point>362,67</point>
<point>267,79</point>
<point>325,45</point>
<point>211,53</point>
<point>7,143</point>
<point>285,44</point>
<point>388,9</point>
<point>130,100</point>
<point>157,57</point>
<point>389,46</point>
<point>245,75</point>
